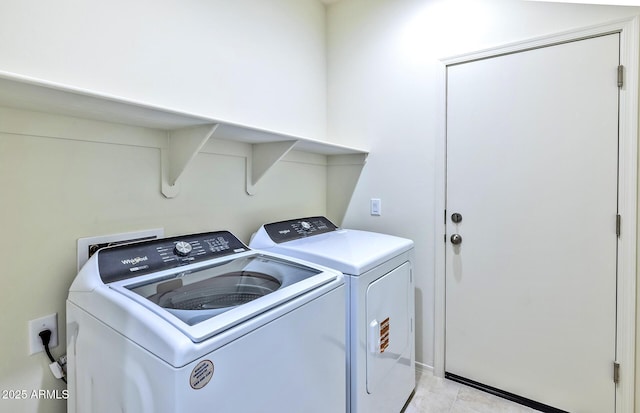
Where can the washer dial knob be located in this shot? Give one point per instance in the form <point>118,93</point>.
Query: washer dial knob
<point>182,248</point>
<point>305,226</point>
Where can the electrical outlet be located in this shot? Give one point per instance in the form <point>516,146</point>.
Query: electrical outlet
<point>49,322</point>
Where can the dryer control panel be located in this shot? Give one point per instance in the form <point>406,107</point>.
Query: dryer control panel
<point>131,260</point>
<point>298,228</point>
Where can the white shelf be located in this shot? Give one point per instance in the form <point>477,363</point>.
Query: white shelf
<point>187,132</point>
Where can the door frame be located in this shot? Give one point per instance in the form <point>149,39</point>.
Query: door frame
<point>627,193</point>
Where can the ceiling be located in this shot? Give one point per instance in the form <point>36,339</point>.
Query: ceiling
<point>607,2</point>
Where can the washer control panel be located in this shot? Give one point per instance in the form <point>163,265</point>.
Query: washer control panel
<point>131,260</point>
<point>298,228</point>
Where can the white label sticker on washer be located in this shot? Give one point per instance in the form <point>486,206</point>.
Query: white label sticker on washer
<point>201,374</point>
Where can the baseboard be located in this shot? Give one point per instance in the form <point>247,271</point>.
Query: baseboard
<point>423,368</point>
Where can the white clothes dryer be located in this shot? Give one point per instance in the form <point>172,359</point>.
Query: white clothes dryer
<point>203,323</point>
<point>380,303</point>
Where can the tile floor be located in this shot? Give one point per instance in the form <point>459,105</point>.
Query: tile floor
<point>436,395</point>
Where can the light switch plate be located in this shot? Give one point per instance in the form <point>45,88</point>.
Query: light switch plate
<point>376,207</point>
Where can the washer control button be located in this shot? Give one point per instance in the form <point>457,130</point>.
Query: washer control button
<point>182,248</point>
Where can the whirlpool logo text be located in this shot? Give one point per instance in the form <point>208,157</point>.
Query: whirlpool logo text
<point>134,261</point>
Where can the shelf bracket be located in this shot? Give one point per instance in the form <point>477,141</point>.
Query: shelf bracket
<point>181,148</point>
<point>261,158</point>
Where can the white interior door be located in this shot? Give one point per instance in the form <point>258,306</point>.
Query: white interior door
<point>532,158</point>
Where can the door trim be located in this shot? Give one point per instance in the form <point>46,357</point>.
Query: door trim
<point>627,193</point>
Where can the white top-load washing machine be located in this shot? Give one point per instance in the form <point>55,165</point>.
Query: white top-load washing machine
<point>203,323</point>
<point>380,305</point>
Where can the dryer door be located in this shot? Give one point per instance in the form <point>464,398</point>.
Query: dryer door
<point>388,307</point>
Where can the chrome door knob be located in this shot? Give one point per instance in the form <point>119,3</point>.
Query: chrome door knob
<point>456,239</point>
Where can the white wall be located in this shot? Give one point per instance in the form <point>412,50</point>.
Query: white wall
<point>246,61</point>
<point>258,63</point>
<point>384,94</point>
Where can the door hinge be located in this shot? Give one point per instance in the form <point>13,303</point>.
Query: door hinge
<point>620,76</point>
<point>616,372</point>
<point>618,225</point>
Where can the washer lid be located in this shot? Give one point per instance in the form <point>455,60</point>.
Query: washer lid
<point>205,300</point>
<point>216,293</point>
